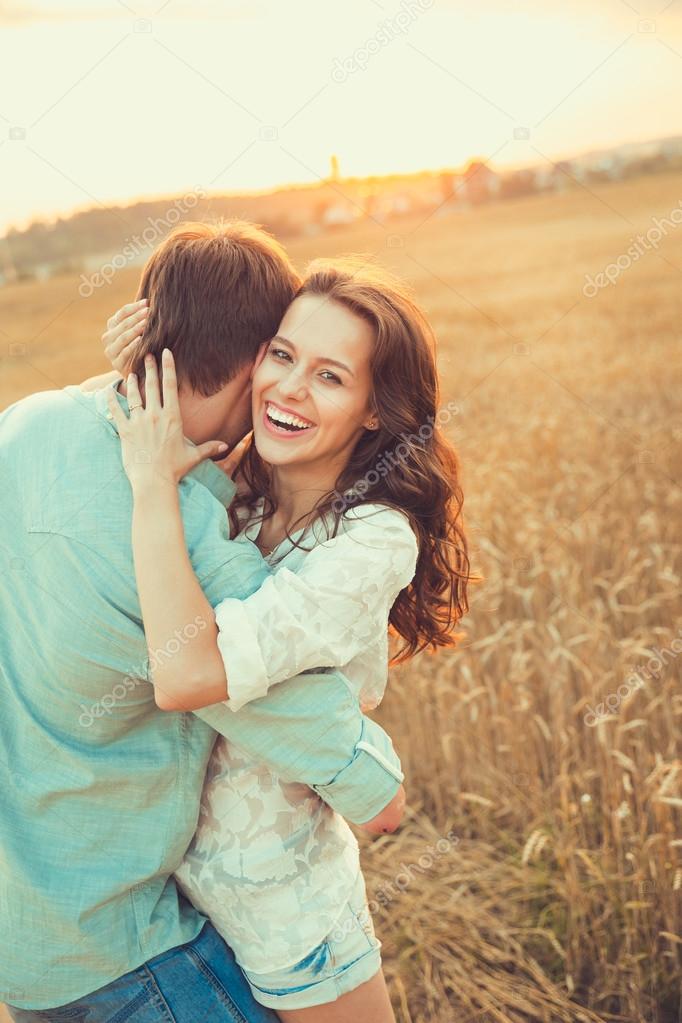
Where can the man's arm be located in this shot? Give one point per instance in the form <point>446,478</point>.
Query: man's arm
<point>311,730</point>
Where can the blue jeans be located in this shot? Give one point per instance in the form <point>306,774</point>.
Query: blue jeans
<point>199,982</point>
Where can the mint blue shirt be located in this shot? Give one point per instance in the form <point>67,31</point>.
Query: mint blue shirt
<point>99,789</point>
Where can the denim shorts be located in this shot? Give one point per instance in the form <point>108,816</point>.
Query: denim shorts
<point>348,956</point>
<point>198,981</point>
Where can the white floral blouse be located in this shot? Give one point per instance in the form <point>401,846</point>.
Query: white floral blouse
<point>271,864</point>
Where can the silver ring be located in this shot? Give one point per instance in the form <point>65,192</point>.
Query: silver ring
<point>131,407</point>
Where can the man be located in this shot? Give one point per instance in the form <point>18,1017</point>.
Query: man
<point>99,788</point>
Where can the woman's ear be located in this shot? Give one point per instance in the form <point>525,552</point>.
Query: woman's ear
<point>372,423</point>
<point>259,357</point>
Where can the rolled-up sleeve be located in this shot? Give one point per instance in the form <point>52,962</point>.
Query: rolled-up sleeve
<point>240,650</point>
<point>375,760</point>
<point>324,742</point>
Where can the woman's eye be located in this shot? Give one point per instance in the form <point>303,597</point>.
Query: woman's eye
<point>279,353</point>
<point>327,374</point>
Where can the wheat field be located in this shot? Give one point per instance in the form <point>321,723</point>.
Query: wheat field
<point>538,876</point>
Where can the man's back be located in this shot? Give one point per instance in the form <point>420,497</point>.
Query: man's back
<point>98,801</point>
<point>99,789</point>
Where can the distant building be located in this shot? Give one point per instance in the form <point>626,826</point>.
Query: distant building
<point>524,182</point>
<point>390,205</point>
<point>338,214</point>
<point>402,196</point>
<point>8,272</point>
<point>544,178</point>
<point>672,148</point>
<point>564,173</point>
<point>553,177</point>
<point>7,269</point>
<point>445,195</point>
<point>480,183</point>
<point>43,271</point>
<point>609,166</point>
<point>593,168</point>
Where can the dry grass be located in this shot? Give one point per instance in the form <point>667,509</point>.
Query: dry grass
<point>561,897</point>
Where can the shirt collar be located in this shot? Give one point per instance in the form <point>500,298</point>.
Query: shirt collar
<point>213,478</point>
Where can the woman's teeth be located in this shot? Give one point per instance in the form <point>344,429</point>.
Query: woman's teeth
<point>286,420</point>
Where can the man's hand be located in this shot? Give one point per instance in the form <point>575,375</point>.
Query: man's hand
<point>230,463</point>
<point>390,817</point>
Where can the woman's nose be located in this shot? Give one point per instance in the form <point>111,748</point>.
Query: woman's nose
<point>293,385</point>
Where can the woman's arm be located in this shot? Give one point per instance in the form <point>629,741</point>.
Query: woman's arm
<point>171,598</point>
<point>156,455</point>
<point>100,380</point>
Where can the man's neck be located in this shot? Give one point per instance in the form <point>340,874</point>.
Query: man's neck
<point>185,412</point>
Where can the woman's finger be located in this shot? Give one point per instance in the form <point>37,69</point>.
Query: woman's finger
<point>127,310</point>
<point>130,322</point>
<point>151,384</point>
<point>126,355</point>
<point>116,342</point>
<point>126,313</point>
<point>169,382</point>
<point>134,400</point>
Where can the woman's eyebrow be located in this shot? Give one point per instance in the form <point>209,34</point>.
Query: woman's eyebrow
<point>331,362</point>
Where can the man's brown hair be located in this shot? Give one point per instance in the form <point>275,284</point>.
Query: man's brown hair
<point>215,292</point>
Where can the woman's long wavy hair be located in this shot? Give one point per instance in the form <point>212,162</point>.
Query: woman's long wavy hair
<point>407,463</point>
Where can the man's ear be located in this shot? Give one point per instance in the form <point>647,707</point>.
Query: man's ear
<point>259,358</point>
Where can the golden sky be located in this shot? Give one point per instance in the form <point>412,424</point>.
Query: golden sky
<point>109,100</point>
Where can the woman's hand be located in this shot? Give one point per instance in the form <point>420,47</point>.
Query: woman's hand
<point>124,329</point>
<point>154,448</point>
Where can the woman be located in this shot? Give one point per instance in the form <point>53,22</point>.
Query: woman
<point>351,493</point>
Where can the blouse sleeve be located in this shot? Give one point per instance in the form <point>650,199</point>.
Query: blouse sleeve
<point>331,609</point>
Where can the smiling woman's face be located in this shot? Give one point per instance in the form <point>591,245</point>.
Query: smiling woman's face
<point>312,388</point>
